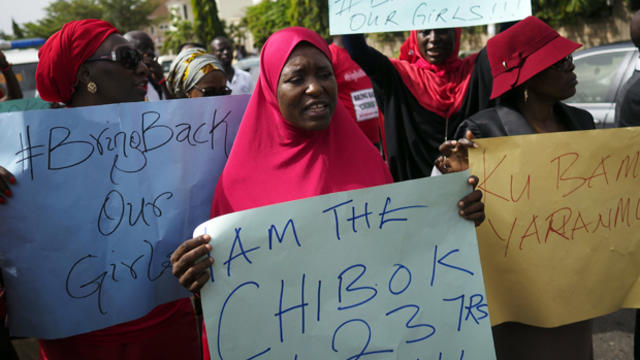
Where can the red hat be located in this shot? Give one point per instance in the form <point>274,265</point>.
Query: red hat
<point>64,52</point>
<point>524,50</point>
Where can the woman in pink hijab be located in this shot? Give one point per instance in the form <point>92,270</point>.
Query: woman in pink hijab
<point>295,141</point>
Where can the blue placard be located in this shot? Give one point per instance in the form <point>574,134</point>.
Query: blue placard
<point>104,194</point>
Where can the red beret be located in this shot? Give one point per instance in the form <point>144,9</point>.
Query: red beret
<point>64,52</point>
<point>524,50</point>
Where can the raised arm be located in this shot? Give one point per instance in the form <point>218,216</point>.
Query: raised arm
<point>375,64</point>
<point>13,86</point>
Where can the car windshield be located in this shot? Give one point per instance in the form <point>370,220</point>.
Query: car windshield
<point>595,76</point>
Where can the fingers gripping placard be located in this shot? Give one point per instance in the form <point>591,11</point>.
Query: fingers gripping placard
<point>391,270</point>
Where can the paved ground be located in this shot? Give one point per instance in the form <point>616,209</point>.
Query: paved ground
<point>612,338</point>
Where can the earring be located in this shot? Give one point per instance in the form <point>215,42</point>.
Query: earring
<point>92,87</point>
<point>526,95</point>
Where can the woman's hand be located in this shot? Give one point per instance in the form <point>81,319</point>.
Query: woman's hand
<point>471,206</point>
<point>6,178</point>
<point>455,154</point>
<point>188,264</point>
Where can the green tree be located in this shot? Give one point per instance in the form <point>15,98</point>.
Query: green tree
<point>265,18</point>
<point>237,32</point>
<point>312,14</point>
<point>17,31</point>
<point>60,12</point>
<point>562,12</point>
<point>207,23</point>
<point>183,33</point>
<point>5,36</point>
<point>125,15</point>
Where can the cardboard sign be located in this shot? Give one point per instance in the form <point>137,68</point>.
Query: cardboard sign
<point>560,243</point>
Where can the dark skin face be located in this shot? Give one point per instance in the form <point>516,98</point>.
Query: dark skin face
<point>307,89</point>
<point>213,80</point>
<point>143,43</point>
<point>436,45</point>
<point>555,83</point>
<point>221,48</point>
<point>115,83</point>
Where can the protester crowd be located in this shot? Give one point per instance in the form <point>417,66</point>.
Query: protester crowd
<point>305,133</point>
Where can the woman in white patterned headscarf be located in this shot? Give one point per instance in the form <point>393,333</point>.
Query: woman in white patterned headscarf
<point>196,73</point>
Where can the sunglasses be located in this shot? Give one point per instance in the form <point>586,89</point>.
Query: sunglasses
<point>125,56</point>
<point>214,91</point>
<point>564,64</point>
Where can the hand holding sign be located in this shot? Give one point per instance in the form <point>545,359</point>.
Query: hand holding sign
<point>6,178</point>
<point>188,264</point>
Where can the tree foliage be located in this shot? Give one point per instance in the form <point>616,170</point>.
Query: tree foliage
<point>312,14</point>
<point>125,15</point>
<point>562,12</point>
<point>17,30</point>
<point>264,19</point>
<point>267,17</point>
<point>184,32</point>
<point>207,23</point>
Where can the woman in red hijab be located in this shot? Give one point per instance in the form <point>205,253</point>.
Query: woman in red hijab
<point>87,63</point>
<point>424,95</point>
<point>295,141</point>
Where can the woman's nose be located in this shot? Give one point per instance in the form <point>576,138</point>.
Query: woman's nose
<point>313,87</point>
<point>142,69</point>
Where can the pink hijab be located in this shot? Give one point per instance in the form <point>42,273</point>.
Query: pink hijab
<point>272,161</point>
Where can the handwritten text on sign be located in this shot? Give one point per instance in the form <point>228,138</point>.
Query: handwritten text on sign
<point>391,270</point>
<point>563,212</point>
<point>365,16</point>
<point>104,195</point>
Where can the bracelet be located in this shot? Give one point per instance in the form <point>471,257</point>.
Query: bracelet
<point>6,68</point>
<point>162,81</point>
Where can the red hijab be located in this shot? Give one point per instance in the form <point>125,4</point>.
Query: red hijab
<point>64,52</point>
<point>272,161</point>
<point>438,88</point>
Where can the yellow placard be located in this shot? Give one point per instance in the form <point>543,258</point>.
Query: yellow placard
<point>560,242</point>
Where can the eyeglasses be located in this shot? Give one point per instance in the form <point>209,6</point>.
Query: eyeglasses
<point>564,64</point>
<point>125,56</point>
<point>214,91</point>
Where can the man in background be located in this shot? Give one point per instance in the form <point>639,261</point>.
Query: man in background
<point>239,81</point>
<point>156,86</point>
